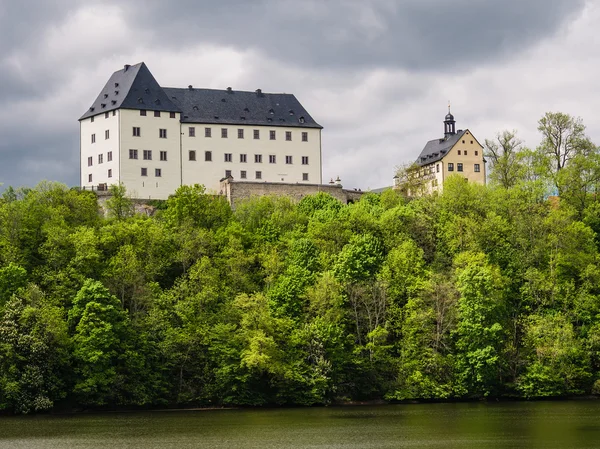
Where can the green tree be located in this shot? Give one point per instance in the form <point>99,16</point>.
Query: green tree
<point>34,353</point>
<point>479,333</point>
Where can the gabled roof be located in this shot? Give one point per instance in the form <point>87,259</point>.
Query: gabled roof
<point>436,149</point>
<point>240,107</point>
<point>132,87</point>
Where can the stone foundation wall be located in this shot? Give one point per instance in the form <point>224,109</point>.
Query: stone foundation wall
<point>237,191</point>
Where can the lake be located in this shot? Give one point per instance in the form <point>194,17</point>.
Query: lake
<point>556,424</point>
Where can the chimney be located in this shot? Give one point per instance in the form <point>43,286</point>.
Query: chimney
<point>190,87</point>
<point>259,92</point>
<point>331,182</point>
<point>126,67</point>
<point>229,90</point>
<point>338,181</point>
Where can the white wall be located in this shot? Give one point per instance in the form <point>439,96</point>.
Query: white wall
<point>102,146</point>
<point>210,173</point>
<point>178,169</point>
<point>150,186</point>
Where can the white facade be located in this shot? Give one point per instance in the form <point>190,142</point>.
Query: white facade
<point>153,167</point>
<point>250,153</point>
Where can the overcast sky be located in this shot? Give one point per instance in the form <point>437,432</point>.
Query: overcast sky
<point>377,74</point>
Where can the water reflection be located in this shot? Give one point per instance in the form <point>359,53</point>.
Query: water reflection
<point>475,425</point>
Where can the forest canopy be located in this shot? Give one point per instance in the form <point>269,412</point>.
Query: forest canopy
<point>480,291</point>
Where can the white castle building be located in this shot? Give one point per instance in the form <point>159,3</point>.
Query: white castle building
<point>153,139</point>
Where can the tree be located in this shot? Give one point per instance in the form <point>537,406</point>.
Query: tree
<point>558,364</point>
<point>502,155</point>
<point>99,327</point>
<point>34,353</point>
<point>479,332</point>
<point>12,278</point>
<point>119,206</point>
<point>563,138</point>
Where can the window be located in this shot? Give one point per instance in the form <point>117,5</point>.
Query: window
<point>143,112</point>
<point>93,138</point>
<point>157,114</point>
<point>106,115</point>
<point>243,158</point>
<point>133,154</point>
<point>136,131</point>
<point>258,175</point>
<point>465,152</point>
<point>192,155</point>
<point>90,161</point>
<point>288,159</point>
<point>147,155</point>
<point>163,155</point>
<point>258,158</point>
<point>272,159</point>
<point>272,135</point>
<point>228,157</point>
<point>304,176</point>
<point>476,153</point>
<point>243,174</point>
<point>471,142</point>
<point>477,168</point>
<point>228,173</point>
<point>92,119</point>
<point>100,158</point>
<point>109,156</point>
<point>158,172</point>
<point>437,168</point>
<point>304,136</point>
<point>450,166</point>
<point>288,136</point>
<point>240,133</point>
<point>107,134</point>
<point>114,113</point>
<point>223,133</point>
<point>463,141</point>
<point>171,115</point>
<point>90,177</point>
<point>459,152</point>
<point>207,132</point>
<point>110,172</point>
<point>144,171</point>
<point>304,160</point>
<point>459,167</point>
<point>192,131</point>
<point>162,133</point>
<point>208,156</point>
<point>257,134</point>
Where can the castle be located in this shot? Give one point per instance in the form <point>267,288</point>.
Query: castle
<point>458,153</point>
<point>153,139</point>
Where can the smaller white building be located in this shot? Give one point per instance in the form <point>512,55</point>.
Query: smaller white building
<point>154,139</point>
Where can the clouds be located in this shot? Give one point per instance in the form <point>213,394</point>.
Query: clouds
<point>376,74</point>
<point>414,35</point>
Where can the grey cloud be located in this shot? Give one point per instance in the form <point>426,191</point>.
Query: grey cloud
<point>411,34</point>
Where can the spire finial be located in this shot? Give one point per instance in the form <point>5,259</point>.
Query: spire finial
<point>448,106</point>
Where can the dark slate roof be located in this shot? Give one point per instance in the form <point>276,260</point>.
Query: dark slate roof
<point>132,87</point>
<point>240,107</point>
<point>438,148</point>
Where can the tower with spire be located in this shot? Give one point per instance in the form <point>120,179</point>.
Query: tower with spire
<point>449,124</point>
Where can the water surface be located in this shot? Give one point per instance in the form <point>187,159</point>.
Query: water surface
<point>499,425</point>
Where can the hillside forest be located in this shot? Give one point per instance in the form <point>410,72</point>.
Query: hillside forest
<point>478,292</point>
